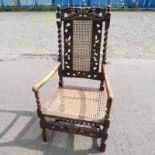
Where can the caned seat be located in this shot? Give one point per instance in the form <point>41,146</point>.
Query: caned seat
<point>77,103</point>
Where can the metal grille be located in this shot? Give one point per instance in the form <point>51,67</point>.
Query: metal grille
<point>82,40</point>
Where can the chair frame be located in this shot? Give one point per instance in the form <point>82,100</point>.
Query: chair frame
<point>98,130</point>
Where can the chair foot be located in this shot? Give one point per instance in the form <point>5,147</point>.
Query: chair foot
<point>102,147</point>
<point>104,135</point>
<point>44,135</point>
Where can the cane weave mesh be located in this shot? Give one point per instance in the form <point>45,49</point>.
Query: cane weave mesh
<point>76,103</point>
<point>82,39</point>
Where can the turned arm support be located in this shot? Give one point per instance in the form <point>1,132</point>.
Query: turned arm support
<point>46,79</point>
<point>108,90</point>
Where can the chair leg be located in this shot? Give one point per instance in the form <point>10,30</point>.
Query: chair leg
<point>43,126</point>
<point>103,140</point>
<point>44,135</point>
<point>104,135</point>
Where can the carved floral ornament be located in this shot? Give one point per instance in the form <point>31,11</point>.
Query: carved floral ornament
<point>92,13</point>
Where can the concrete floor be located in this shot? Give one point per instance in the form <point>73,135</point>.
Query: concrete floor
<point>131,34</point>
<point>24,60</point>
<point>132,119</point>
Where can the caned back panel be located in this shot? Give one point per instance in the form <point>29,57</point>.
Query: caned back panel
<point>82,41</point>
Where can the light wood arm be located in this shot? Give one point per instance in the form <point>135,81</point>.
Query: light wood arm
<point>46,79</point>
<point>108,90</point>
<point>107,84</point>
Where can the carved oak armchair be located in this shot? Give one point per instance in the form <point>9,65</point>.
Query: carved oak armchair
<point>79,110</point>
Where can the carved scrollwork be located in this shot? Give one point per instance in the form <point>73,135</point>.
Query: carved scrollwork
<point>81,74</point>
<point>93,13</point>
<point>72,18</point>
<point>76,128</point>
<point>96,42</point>
<point>67,44</point>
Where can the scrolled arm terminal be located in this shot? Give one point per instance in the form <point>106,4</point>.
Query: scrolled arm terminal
<point>46,79</point>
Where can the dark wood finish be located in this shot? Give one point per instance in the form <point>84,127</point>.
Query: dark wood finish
<point>59,24</point>
<point>107,24</point>
<point>82,27</point>
<point>97,16</point>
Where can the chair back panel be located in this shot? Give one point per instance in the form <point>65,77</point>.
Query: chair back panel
<point>82,33</point>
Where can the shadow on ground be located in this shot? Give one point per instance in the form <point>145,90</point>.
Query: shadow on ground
<point>29,137</point>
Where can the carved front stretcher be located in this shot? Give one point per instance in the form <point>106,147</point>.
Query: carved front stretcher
<point>79,110</point>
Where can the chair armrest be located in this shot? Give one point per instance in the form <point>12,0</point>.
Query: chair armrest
<point>109,92</point>
<point>46,79</point>
<point>107,84</point>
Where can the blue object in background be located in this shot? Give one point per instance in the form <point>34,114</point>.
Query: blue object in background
<point>135,3</point>
<point>28,3</point>
<point>43,2</point>
<point>78,3</point>
<point>149,3</point>
<point>152,3</point>
<point>1,3</point>
<point>10,3</point>
<point>99,2</point>
<point>72,2</point>
<point>141,3</point>
<point>115,3</point>
<point>121,3</point>
<point>130,3</point>
<point>61,2</point>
